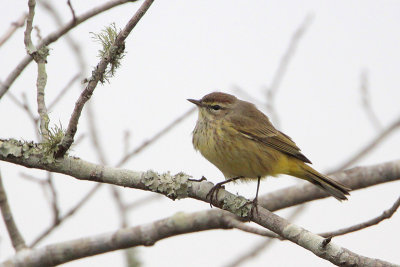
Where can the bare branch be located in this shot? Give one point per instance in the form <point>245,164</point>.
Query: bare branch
<point>40,57</point>
<point>41,84</point>
<point>96,76</point>
<point>146,235</point>
<point>38,34</point>
<point>54,37</point>
<point>54,198</point>
<point>385,215</point>
<point>144,200</point>
<point>355,178</point>
<point>366,101</point>
<point>235,223</point>
<point>30,48</point>
<point>369,147</point>
<point>14,26</point>
<point>64,90</point>
<point>126,139</point>
<point>63,218</point>
<point>283,65</point>
<point>155,137</point>
<point>179,186</point>
<point>17,240</point>
<point>72,10</point>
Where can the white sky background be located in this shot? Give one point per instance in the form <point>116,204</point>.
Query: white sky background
<point>185,49</point>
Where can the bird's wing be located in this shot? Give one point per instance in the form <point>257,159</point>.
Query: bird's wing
<point>266,134</point>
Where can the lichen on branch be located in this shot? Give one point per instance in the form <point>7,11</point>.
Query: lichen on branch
<point>114,53</point>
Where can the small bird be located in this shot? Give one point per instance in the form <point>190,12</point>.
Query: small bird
<point>244,145</point>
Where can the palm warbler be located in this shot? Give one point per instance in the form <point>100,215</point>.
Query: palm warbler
<point>243,144</point>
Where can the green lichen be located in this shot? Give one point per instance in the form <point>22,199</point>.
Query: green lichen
<point>16,148</point>
<point>10,148</point>
<point>173,186</point>
<point>51,142</point>
<point>238,205</point>
<point>115,53</point>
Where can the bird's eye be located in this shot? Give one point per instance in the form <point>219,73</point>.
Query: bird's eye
<point>216,107</point>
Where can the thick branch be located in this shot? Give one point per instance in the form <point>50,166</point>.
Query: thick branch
<point>178,186</point>
<point>97,76</point>
<point>144,235</point>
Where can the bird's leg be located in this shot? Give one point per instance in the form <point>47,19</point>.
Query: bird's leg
<point>214,190</point>
<point>198,180</point>
<point>255,200</point>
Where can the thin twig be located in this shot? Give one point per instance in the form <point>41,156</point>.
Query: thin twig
<point>31,178</point>
<point>30,48</point>
<point>38,34</point>
<point>139,202</point>
<point>14,26</point>
<point>54,37</point>
<point>17,240</point>
<point>24,105</point>
<point>234,223</point>
<point>385,215</point>
<point>72,11</point>
<point>120,206</point>
<point>155,137</point>
<point>96,76</point>
<point>94,138</point>
<point>272,89</point>
<point>126,139</point>
<point>64,90</point>
<point>54,198</point>
<point>368,147</point>
<point>40,57</point>
<point>63,218</point>
<point>366,101</point>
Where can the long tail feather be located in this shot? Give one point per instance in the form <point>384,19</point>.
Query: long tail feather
<point>334,188</point>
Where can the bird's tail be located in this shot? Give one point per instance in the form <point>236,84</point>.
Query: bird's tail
<point>334,188</point>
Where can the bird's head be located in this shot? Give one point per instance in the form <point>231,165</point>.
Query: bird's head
<point>215,106</point>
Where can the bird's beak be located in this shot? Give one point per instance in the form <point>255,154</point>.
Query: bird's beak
<point>196,102</point>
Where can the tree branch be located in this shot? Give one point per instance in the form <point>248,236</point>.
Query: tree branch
<point>370,146</point>
<point>144,235</point>
<point>54,37</point>
<point>17,240</point>
<point>40,56</point>
<point>155,137</point>
<point>62,218</point>
<point>178,186</point>
<point>97,76</point>
<point>14,26</point>
<point>355,178</point>
<point>283,65</point>
<point>385,215</point>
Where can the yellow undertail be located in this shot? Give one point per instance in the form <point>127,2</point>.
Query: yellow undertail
<point>332,187</point>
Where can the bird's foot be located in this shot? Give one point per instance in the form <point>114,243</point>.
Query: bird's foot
<point>213,193</point>
<point>254,206</point>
